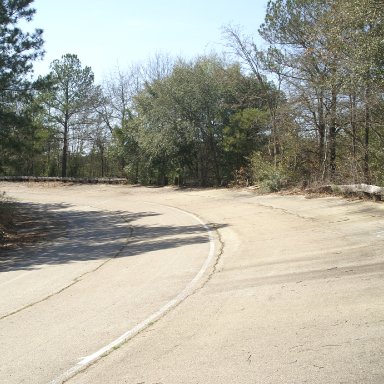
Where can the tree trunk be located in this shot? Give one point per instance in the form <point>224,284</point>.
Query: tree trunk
<point>332,135</point>
<point>321,130</point>
<point>275,139</point>
<point>352,121</point>
<point>64,160</point>
<point>65,152</point>
<point>216,167</point>
<point>367,128</point>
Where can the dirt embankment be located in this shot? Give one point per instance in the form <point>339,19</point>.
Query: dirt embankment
<point>20,224</point>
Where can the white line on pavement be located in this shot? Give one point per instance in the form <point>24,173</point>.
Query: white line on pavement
<point>86,361</point>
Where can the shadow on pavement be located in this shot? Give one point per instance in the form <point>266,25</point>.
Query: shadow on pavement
<point>76,236</point>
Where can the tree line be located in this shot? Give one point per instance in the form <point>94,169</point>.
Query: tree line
<point>306,109</point>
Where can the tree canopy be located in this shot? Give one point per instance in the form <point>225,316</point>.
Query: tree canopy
<point>18,50</point>
<point>69,102</point>
<point>308,108</point>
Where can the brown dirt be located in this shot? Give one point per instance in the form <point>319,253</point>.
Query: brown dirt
<point>19,226</point>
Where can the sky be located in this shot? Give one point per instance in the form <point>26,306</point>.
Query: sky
<point>110,34</point>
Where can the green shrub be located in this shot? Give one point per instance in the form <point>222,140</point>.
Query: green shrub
<point>269,177</point>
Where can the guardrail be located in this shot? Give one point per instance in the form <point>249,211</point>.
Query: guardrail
<point>99,180</point>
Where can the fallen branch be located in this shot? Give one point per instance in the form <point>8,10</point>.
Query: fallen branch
<point>377,193</point>
<point>372,191</point>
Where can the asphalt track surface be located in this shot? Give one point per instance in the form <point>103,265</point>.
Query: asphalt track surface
<point>141,285</point>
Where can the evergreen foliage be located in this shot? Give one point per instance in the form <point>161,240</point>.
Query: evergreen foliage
<point>309,108</point>
<point>18,50</point>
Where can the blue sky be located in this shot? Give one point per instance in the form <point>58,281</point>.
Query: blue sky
<point>110,33</point>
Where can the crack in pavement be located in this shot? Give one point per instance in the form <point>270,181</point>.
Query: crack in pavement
<point>188,291</point>
<point>76,280</point>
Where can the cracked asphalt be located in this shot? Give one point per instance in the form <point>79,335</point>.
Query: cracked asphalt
<point>293,294</point>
